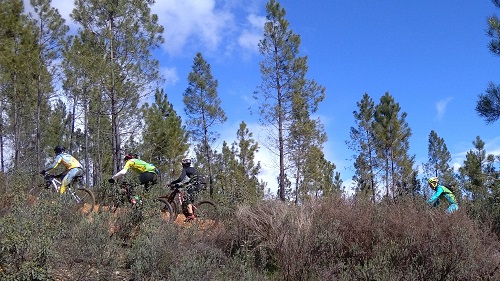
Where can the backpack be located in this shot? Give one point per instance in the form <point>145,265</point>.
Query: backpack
<point>450,188</point>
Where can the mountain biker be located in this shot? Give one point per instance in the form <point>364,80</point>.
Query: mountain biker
<point>148,174</point>
<point>192,183</point>
<point>72,166</point>
<point>441,192</point>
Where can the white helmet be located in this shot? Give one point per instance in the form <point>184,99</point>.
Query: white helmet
<point>186,162</point>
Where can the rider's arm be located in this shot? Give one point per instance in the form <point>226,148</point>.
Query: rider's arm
<point>123,171</point>
<point>439,191</point>
<point>181,177</point>
<point>57,160</point>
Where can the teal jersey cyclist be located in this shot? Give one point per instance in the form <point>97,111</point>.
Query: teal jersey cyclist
<point>442,193</point>
<point>72,166</point>
<point>148,174</point>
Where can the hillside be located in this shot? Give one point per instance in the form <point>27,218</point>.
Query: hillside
<point>331,239</point>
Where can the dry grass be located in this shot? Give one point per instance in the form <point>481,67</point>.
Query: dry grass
<point>337,239</point>
<point>329,239</point>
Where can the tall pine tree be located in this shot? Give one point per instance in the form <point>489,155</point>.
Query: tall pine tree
<point>123,34</point>
<point>283,90</point>
<point>202,107</point>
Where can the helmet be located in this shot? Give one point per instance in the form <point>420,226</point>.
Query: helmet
<point>129,156</point>
<point>433,182</point>
<point>58,149</point>
<point>186,162</point>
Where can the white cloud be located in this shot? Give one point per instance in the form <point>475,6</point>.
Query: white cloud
<point>250,36</point>
<point>194,25</point>
<point>441,107</point>
<point>170,75</point>
<point>192,20</point>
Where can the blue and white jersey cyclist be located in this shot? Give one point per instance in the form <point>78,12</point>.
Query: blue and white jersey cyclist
<point>442,193</point>
<point>72,166</point>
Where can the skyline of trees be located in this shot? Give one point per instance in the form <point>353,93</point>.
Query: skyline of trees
<point>105,78</point>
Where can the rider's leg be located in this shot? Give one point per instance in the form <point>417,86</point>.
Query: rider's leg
<point>452,208</point>
<point>189,202</point>
<point>72,173</point>
<point>147,179</point>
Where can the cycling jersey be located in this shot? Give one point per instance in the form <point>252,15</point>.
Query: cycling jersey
<point>70,163</point>
<point>443,192</point>
<point>139,166</point>
<point>67,160</point>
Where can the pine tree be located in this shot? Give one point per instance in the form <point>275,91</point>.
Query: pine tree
<point>51,33</point>
<point>122,34</point>
<point>202,107</point>
<point>438,160</point>
<point>283,86</point>
<point>488,104</point>
<point>363,143</point>
<point>244,149</point>
<point>17,55</point>
<point>237,172</point>
<point>165,139</point>
<point>392,142</point>
<point>472,173</point>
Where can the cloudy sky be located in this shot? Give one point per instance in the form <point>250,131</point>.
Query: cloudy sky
<point>430,55</point>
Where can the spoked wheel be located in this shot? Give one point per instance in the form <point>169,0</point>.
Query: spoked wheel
<point>84,200</point>
<point>35,193</point>
<point>166,212</point>
<point>205,213</point>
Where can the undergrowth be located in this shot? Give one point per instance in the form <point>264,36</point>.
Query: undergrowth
<point>330,239</point>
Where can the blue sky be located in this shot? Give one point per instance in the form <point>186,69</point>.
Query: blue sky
<point>431,56</point>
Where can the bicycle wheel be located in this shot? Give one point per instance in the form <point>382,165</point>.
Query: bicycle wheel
<point>166,212</point>
<point>84,200</point>
<point>39,192</point>
<point>205,214</point>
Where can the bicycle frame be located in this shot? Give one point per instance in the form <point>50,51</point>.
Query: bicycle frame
<point>55,184</point>
<point>177,196</point>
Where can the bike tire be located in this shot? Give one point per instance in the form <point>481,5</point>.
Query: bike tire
<point>87,203</point>
<point>167,212</point>
<point>115,203</point>
<point>206,215</point>
<point>39,192</point>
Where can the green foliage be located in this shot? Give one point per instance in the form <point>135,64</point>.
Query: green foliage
<point>286,100</point>
<point>488,104</point>
<point>392,135</point>
<point>363,144</point>
<point>237,171</point>
<point>165,138</point>
<point>438,159</point>
<point>202,106</point>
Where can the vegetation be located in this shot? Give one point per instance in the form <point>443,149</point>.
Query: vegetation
<point>88,91</point>
<point>333,238</point>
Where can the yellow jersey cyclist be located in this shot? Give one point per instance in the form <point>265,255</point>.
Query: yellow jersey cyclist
<point>148,174</point>
<point>73,167</point>
<point>442,192</point>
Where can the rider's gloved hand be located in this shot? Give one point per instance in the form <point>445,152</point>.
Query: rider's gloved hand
<point>42,172</point>
<point>111,180</point>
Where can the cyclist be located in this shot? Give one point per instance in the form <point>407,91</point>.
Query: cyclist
<point>441,192</point>
<point>148,174</point>
<point>192,184</point>
<point>73,167</point>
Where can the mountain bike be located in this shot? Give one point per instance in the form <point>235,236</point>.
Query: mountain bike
<point>122,195</point>
<point>119,196</point>
<point>79,197</point>
<point>205,211</point>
